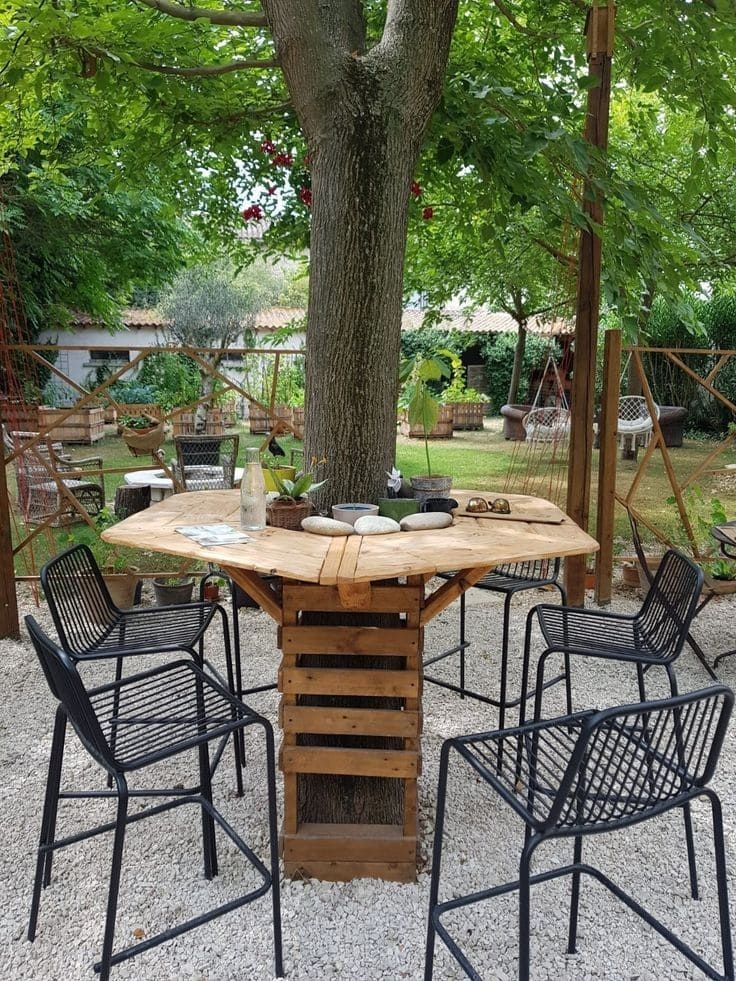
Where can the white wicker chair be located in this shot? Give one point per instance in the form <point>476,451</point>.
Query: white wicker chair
<point>548,424</point>
<point>634,421</point>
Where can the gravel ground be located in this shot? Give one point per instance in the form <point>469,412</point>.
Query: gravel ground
<point>363,930</point>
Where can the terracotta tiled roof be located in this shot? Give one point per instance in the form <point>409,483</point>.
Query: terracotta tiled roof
<point>477,322</point>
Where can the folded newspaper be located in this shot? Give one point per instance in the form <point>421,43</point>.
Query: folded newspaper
<point>211,535</point>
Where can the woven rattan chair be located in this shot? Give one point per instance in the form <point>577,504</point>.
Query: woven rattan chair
<point>634,423</point>
<point>40,473</point>
<point>122,727</point>
<point>580,775</point>
<point>206,462</point>
<point>548,424</point>
<point>508,580</point>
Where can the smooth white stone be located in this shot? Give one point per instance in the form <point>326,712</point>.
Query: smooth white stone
<point>376,525</point>
<point>423,522</point>
<point>327,526</point>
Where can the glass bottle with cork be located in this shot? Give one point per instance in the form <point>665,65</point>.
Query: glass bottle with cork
<point>252,493</point>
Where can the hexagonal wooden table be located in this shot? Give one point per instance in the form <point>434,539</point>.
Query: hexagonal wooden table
<point>351,685</point>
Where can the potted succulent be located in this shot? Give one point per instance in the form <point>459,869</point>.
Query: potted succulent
<point>423,409</point>
<point>292,503</point>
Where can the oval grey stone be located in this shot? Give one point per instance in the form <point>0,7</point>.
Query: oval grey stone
<point>327,526</point>
<point>423,522</point>
<point>376,525</point>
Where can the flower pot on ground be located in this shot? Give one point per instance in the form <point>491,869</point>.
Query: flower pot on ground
<point>124,588</point>
<point>173,590</point>
<point>211,591</point>
<point>425,487</point>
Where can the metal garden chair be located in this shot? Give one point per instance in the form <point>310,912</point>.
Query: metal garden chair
<point>585,774</point>
<point>130,725</point>
<point>508,580</point>
<point>206,462</point>
<point>91,627</point>
<point>653,637</point>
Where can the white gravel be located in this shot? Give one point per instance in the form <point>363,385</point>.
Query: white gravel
<point>364,930</point>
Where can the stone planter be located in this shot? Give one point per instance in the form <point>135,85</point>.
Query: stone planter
<point>173,593</point>
<point>442,429</point>
<point>425,487</point>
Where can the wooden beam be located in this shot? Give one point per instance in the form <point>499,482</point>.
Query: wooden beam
<point>607,467</point>
<point>600,49</point>
<point>9,625</point>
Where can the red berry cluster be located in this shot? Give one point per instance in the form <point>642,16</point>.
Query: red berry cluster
<point>415,189</point>
<point>252,213</point>
<point>305,196</point>
<point>282,160</point>
<point>427,213</point>
<point>268,146</point>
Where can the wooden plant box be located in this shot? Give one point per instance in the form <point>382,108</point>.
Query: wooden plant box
<point>262,421</point>
<point>442,429</point>
<point>333,686</point>
<point>81,426</point>
<point>184,424</point>
<point>140,409</point>
<point>19,416</point>
<point>467,415</point>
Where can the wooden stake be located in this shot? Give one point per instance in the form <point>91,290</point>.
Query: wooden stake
<point>588,298</point>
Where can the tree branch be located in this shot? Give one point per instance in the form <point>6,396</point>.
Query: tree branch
<point>511,18</point>
<point>206,71</point>
<point>230,18</point>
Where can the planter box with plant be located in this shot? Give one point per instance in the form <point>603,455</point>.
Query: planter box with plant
<point>292,504</point>
<point>468,405</point>
<point>422,407</point>
<point>86,425</point>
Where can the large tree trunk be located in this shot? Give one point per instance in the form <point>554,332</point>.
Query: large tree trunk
<point>518,364</point>
<point>364,116</point>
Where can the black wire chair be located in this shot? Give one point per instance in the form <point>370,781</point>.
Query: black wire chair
<point>132,724</point>
<point>649,575</point>
<point>585,774</point>
<point>653,637</point>
<point>91,627</point>
<point>206,462</point>
<point>509,580</point>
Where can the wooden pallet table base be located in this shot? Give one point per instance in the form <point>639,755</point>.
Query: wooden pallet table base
<point>351,719</point>
<point>351,615</point>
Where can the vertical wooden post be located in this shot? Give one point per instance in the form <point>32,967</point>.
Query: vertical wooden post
<point>9,626</point>
<point>599,32</point>
<point>607,467</point>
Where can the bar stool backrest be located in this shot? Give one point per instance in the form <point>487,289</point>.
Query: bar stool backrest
<point>670,604</point>
<point>531,570</point>
<point>633,760</point>
<point>78,598</point>
<point>66,686</point>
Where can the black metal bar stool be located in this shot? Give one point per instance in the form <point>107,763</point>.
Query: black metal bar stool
<point>138,722</point>
<point>585,774</point>
<point>508,580</point>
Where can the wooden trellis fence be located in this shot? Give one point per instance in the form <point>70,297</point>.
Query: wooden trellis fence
<point>33,449</point>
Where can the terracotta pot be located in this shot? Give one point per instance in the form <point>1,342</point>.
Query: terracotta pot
<point>211,592</point>
<point>122,588</point>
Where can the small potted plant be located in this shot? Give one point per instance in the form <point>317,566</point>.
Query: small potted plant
<point>172,590</point>
<point>211,589</point>
<point>275,465</point>
<point>292,503</point>
<point>423,408</point>
<point>142,434</point>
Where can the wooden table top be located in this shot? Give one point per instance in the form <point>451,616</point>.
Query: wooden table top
<point>469,543</point>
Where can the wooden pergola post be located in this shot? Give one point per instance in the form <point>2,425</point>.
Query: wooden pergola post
<point>9,626</point>
<point>607,467</point>
<point>599,30</point>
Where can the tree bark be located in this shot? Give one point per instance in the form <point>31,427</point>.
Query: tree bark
<point>518,363</point>
<point>364,117</point>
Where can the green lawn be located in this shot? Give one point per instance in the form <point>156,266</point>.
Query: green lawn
<point>475,460</point>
